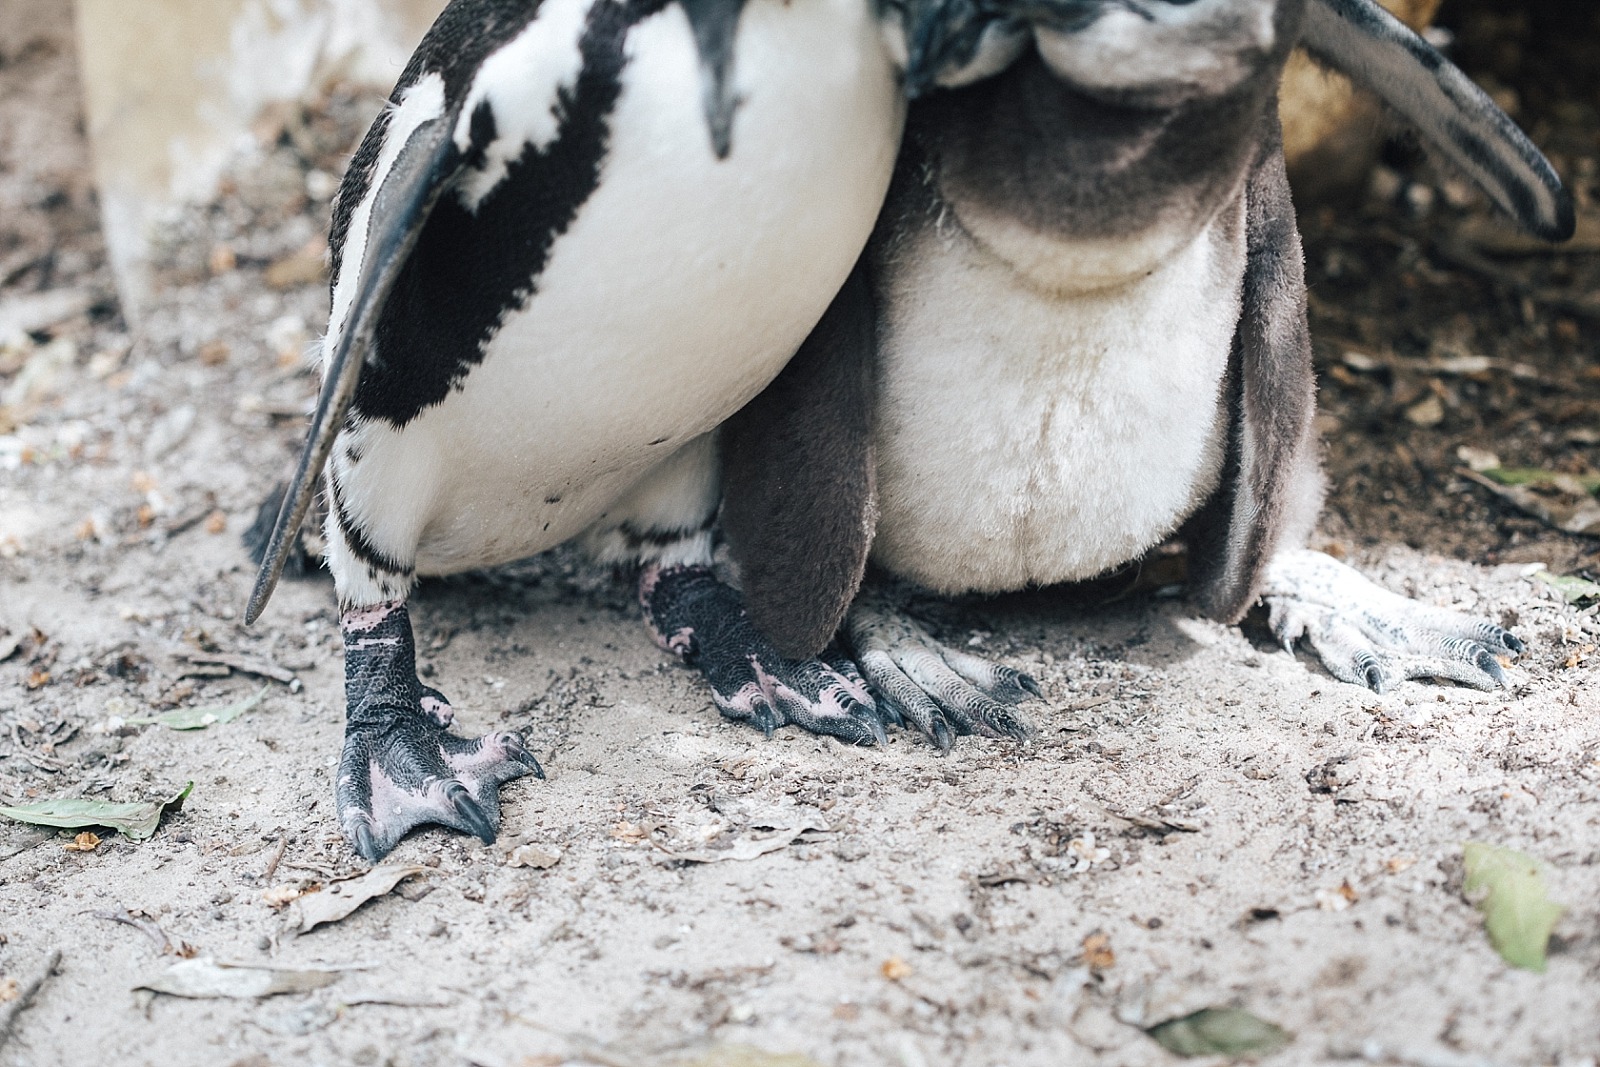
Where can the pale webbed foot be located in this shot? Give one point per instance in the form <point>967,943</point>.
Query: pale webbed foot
<point>1369,636</point>
<point>703,621</point>
<point>940,691</point>
<point>400,768</point>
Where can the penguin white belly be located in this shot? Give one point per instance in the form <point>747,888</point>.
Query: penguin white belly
<point>680,289</point>
<point>1028,436</point>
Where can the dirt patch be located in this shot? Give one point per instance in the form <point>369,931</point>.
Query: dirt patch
<point>1204,820</point>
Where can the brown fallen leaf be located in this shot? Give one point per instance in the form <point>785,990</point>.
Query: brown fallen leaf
<point>9,990</point>
<point>281,896</point>
<point>1097,954</point>
<point>342,898</point>
<point>1562,501</point>
<point>217,522</point>
<point>629,833</point>
<point>84,842</point>
<point>540,859</point>
<point>894,968</point>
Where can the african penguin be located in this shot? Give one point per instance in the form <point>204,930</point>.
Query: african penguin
<point>583,233</point>
<point>1086,312</point>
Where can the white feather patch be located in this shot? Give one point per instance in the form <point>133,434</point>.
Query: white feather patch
<point>1027,436</point>
<point>520,82</point>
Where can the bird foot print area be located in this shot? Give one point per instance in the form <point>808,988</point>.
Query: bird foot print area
<point>1366,635</point>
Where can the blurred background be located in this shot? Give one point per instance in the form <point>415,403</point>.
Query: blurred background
<point>166,169</point>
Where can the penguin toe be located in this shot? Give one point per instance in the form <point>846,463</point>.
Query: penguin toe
<point>940,691</point>
<point>751,681</point>
<point>1369,636</point>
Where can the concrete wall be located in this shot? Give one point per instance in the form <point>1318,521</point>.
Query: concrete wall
<point>171,86</point>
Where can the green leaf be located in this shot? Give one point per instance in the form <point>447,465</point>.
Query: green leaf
<point>1219,1032</point>
<point>137,821</point>
<point>1572,589</point>
<point>1508,887</point>
<point>1534,476</point>
<point>200,718</point>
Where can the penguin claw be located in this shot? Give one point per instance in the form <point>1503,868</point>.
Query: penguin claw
<point>401,768</point>
<point>1368,636</point>
<point>751,681</point>
<point>940,691</point>
<point>408,772</point>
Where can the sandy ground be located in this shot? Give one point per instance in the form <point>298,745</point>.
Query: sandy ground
<point>1204,820</point>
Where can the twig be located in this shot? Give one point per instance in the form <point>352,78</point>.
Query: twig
<point>244,664</point>
<point>272,864</point>
<point>9,1012</point>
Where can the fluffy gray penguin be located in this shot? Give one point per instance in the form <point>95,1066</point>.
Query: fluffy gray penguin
<point>1088,326</point>
<point>583,233</point>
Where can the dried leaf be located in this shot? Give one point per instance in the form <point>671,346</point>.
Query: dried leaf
<point>1508,887</point>
<point>84,842</point>
<point>281,896</point>
<point>205,979</point>
<point>749,1056</point>
<point>540,859</point>
<point>200,718</point>
<point>1219,1032</point>
<point>1097,954</point>
<point>784,826</point>
<point>894,968</point>
<point>1569,508</point>
<point>329,906</point>
<point>1573,590</point>
<point>136,821</point>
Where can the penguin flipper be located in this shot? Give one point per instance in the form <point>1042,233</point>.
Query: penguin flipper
<point>799,481</point>
<point>423,169</point>
<point>1270,491</point>
<point>1361,40</point>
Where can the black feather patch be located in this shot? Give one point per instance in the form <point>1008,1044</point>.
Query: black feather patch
<point>469,270</point>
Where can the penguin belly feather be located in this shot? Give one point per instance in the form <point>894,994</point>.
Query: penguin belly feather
<point>1031,430</point>
<point>679,289</point>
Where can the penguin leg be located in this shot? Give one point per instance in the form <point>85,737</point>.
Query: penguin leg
<point>703,621</point>
<point>940,691</point>
<point>1368,636</point>
<point>401,768</point>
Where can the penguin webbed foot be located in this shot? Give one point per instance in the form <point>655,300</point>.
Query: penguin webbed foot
<point>400,767</point>
<point>703,621</point>
<point>1368,636</point>
<point>940,691</point>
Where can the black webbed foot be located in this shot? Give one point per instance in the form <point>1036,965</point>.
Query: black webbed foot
<point>703,621</point>
<point>942,692</point>
<point>400,768</point>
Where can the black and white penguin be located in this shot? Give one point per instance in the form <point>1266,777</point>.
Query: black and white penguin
<point>1086,311</point>
<point>583,234</point>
